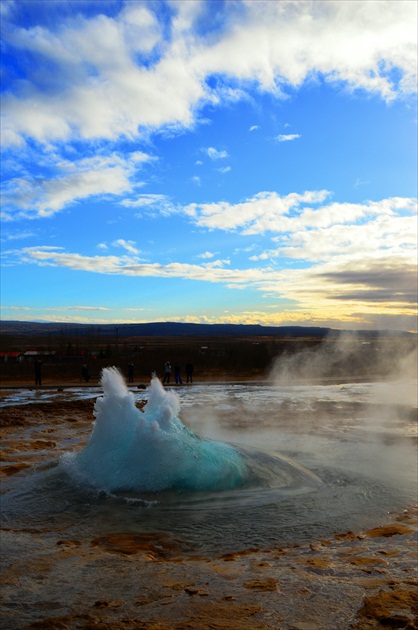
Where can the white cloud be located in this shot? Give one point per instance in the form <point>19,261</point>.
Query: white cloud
<point>128,245</point>
<point>377,237</point>
<point>287,137</point>
<point>254,128</point>
<point>213,271</point>
<point>109,77</point>
<point>359,182</point>
<point>224,169</point>
<point>215,154</point>
<point>77,308</point>
<point>265,211</point>
<point>354,42</point>
<point>147,199</point>
<point>19,236</point>
<point>34,197</point>
<point>206,255</point>
<point>291,214</point>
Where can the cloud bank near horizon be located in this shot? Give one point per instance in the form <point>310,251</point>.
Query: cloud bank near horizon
<point>362,254</point>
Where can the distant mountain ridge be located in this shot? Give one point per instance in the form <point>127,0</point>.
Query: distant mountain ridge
<point>177,329</point>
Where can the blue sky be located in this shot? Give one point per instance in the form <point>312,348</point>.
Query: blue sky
<point>216,162</point>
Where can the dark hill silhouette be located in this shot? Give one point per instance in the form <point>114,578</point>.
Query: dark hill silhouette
<point>177,329</point>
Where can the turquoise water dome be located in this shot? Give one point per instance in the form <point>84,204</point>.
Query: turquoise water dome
<point>151,450</point>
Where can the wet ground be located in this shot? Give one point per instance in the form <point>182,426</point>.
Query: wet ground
<point>341,556</point>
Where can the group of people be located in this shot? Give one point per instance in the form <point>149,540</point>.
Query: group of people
<point>85,373</point>
<point>167,373</point>
<point>177,373</point>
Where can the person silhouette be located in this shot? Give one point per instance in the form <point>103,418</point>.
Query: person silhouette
<point>38,371</point>
<point>189,373</point>
<point>167,372</point>
<point>85,372</point>
<point>177,375</point>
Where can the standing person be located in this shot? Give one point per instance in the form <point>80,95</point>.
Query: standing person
<point>189,373</point>
<point>167,372</point>
<point>38,371</point>
<point>177,375</point>
<point>85,372</point>
<point>130,372</point>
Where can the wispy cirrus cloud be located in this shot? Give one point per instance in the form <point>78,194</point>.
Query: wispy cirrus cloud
<point>71,314</point>
<point>77,307</point>
<point>287,137</point>
<point>18,236</point>
<point>128,245</point>
<point>212,271</point>
<point>152,201</point>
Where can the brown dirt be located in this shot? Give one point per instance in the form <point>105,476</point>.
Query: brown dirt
<point>157,545</point>
<point>395,609</point>
<point>388,531</point>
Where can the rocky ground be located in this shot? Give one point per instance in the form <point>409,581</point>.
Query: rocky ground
<point>355,580</point>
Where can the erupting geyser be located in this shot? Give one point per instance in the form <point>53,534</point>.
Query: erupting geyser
<point>152,450</point>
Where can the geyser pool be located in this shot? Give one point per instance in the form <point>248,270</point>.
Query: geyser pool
<point>153,451</point>
<point>363,451</point>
